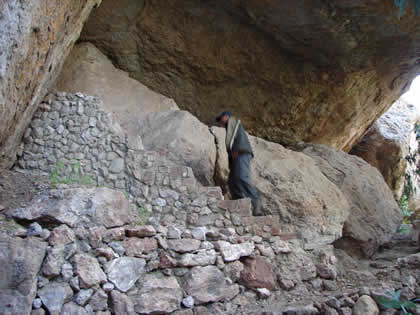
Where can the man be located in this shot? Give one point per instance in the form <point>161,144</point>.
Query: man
<point>240,155</point>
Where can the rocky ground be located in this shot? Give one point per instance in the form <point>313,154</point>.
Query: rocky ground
<point>18,190</point>
<point>336,293</point>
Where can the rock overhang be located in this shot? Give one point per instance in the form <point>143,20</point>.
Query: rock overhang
<point>292,70</point>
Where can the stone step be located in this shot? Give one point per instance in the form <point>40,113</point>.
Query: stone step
<point>268,224</point>
<point>242,207</point>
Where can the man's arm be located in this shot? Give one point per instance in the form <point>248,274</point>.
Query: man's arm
<point>241,143</point>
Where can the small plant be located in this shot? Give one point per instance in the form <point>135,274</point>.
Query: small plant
<point>405,209</point>
<point>58,175</point>
<point>395,302</point>
<point>403,230</point>
<point>143,216</point>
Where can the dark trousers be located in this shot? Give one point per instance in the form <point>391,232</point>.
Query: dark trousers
<point>239,181</point>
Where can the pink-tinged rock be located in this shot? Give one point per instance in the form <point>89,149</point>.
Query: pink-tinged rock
<point>62,235</point>
<point>208,284</point>
<point>257,273</point>
<point>365,305</point>
<point>141,231</point>
<point>157,294</point>
<point>115,234</point>
<point>88,270</point>
<point>137,246</point>
<point>240,206</point>
<point>202,257</point>
<point>286,284</point>
<point>54,261</point>
<point>184,245</point>
<point>281,247</point>
<point>326,271</point>
<point>167,261</point>
<point>121,304</point>
<point>232,252</point>
<point>95,236</point>
<point>265,250</point>
<point>233,270</point>
<point>108,253</point>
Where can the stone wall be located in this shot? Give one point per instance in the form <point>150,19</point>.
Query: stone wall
<point>70,136</point>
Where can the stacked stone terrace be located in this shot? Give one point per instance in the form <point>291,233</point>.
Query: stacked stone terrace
<point>168,246</point>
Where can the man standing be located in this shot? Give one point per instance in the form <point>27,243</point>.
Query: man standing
<point>240,154</point>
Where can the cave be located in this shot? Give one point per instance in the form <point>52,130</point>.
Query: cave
<point>311,71</point>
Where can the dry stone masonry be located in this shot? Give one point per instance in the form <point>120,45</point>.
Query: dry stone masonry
<point>152,240</point>
<point>71,138</point>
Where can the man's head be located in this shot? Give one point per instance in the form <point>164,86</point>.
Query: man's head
<point>223,118</point>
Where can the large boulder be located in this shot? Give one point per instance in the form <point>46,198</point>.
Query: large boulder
<point>89,71</point>
<point>21,261</point>
<point>391,146</point>
<point>35,38</point>
<point>291,186</point>
<point>374,216</point>
<point>318,71</point>
<point>186,140</point>
<point>79,206</point>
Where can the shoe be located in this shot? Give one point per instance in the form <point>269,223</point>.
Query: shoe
<point>257,211</point>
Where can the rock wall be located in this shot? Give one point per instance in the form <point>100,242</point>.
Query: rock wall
<point>391,146</point>
<point>320,72</point>
<point>35,38</point>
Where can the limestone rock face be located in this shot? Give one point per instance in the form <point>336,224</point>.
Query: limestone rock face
<point>89,71</point>
<point>184,137</point>
<point>35,38</point>
<point>21,261</point>
<point>387,144</point>
<point>374,215</point>
<point>315,71</point>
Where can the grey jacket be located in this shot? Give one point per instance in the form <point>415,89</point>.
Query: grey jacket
<point>240,144</point>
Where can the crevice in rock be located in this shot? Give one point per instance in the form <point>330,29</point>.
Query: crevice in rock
<point>217,180</point>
